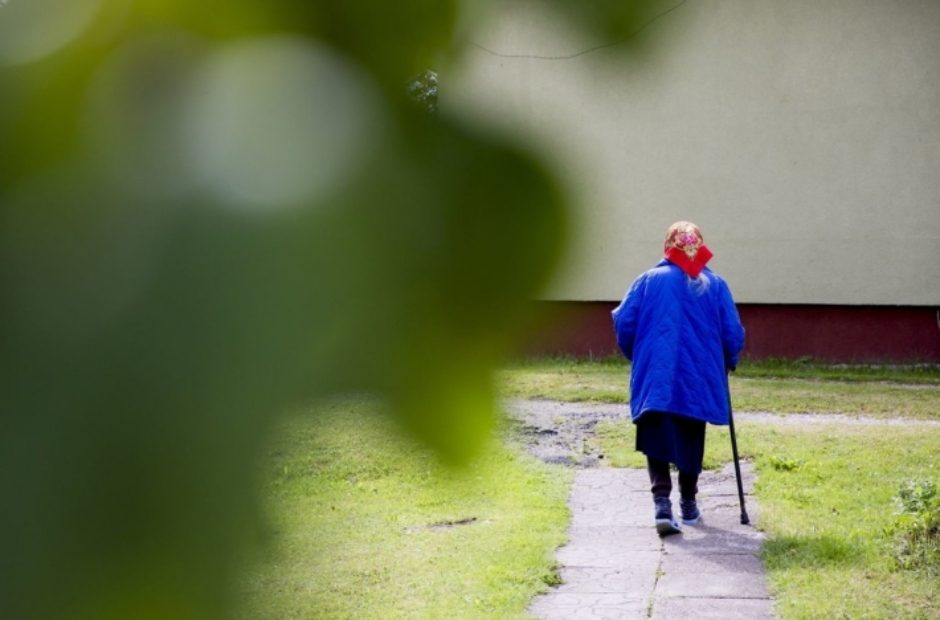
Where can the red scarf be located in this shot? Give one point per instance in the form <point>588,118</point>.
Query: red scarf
<point>692,266</point>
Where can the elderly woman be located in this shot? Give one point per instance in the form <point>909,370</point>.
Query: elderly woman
<point>679,326</point>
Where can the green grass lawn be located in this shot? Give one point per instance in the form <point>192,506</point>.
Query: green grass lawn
<point>906,391</point>
<point>367,525</point>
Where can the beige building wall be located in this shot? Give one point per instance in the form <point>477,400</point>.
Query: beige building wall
<point>802,136</point>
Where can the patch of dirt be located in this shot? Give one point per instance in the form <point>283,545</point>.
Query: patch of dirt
<point>443,525</point>
<point>562,433</point>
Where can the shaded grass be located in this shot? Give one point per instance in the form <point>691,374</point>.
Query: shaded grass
<point>776,387</point>
<point>825,493</point>
<point>927,373</point>
<point>367,525</point>
<point>599,382</point>
<point>803,368</point>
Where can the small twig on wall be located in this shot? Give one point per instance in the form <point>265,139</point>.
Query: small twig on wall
<point>645,25</point>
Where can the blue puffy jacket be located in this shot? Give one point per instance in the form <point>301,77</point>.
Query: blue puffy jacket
<point>682,335</point>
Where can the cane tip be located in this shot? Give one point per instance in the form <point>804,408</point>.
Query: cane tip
<point>744,519</point>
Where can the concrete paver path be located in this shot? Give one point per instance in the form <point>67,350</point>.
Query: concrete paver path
<point>616,566</point>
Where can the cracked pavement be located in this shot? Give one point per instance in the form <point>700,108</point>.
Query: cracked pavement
<point>616,566</point>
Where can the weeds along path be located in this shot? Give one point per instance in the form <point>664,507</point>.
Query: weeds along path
<point>563,432</point>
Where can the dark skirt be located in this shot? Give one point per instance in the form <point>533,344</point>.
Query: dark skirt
<point>672,438</point>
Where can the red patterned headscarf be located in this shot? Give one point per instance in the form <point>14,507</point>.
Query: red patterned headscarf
<point>686,249</point>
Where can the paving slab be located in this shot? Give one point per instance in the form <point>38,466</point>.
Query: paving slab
<point>634,581</point>
<point>712,609</point>
<point>615,566</point>
<point>712,575</point>
<point>590,607</point>
<point>609,546</point>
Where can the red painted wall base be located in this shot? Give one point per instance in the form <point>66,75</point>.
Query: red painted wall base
<point>831,333</point>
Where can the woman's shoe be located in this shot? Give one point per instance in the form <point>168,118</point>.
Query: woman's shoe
<point>665,523</point>
<point>690,512</point>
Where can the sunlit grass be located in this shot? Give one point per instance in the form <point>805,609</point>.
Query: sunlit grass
<point>828,554</point>
<point>367,525</point>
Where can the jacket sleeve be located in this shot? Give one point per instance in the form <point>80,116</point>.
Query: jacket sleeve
<point>625,318</point>
<point>732,331</point>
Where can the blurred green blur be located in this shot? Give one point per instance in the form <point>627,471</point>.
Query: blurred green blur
<point>211,212</point>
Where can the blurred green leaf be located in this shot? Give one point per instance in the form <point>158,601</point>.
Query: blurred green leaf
<point>210,213</point>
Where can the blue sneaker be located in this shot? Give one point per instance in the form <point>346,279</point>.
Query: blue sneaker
<point>690,512</point>
<point>665,523</point>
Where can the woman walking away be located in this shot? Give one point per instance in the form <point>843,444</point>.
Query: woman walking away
<point>679,326</point>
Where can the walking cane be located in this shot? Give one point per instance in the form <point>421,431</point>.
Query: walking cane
<point>734,451</point>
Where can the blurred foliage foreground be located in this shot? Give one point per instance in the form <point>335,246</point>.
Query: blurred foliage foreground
<point>209,212</point>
